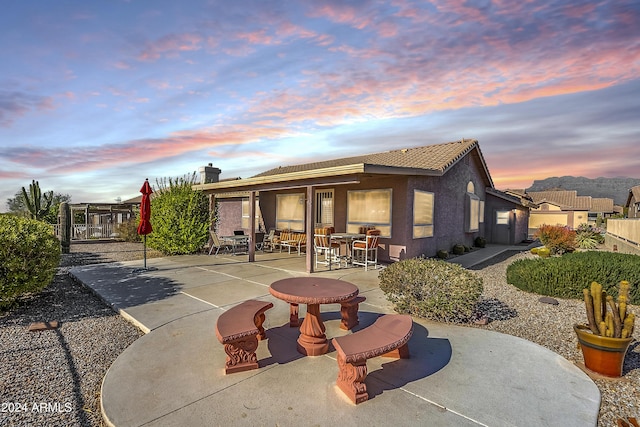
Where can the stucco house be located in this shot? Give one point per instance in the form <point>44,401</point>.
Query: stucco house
<point>421,199</point>
<point>633,202</point>
<point>565,207</point>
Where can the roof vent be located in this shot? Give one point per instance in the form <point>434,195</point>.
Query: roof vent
<point>404,150</point>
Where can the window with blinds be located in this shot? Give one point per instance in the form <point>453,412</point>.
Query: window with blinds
<point>290,212</point>
<point>422,214</point>
<point>324,208</point>
<point>369,208</point>
<point>246,213</point>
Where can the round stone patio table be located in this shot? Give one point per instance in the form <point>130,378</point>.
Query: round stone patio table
<point>313,291</point>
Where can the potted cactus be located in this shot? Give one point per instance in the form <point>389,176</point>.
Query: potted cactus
<point>605,339</point>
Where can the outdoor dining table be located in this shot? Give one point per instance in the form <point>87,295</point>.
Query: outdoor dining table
<point>237,241</point>
<point>347,239</point>
<point>312,291</point>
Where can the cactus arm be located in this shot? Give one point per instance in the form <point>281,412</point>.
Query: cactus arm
<point>596,294</point>
<point>588,302</point>
<point>608,320</point>
<point>615,314</point>
<point>628,325</point>
<point>602,328</point>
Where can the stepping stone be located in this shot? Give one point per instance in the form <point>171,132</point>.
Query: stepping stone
<point>43,326</point>
<point>549,300</point>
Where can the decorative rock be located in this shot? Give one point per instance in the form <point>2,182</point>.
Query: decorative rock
<point>43,326</point>
<point>549,300</point>
<point>484,320</point>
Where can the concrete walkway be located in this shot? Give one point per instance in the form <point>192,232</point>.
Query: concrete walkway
<point>173,376</point>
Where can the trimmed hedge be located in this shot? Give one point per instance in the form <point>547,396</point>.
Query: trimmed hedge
<point>568,275</point>
<point>29,254</point>
<point>432,289</point>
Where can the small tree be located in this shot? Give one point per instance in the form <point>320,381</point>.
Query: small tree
<point>180,217</point>
<point>16,205</point>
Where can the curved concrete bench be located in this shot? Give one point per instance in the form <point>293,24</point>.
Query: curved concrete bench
<point>388,336</point>
<point>239,330</point>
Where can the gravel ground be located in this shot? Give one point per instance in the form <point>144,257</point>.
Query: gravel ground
<point>515,312</point>
<point>53,377</point>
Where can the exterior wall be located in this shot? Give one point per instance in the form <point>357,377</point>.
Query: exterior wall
<point>229,216</point>
<point>520,218</point>
<point>624,234</point>
<point>633,208</point>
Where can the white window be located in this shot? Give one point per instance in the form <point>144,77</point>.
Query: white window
<point>481,213</point>
<point>502,217</point>
<point>422,214</point>
<point>324,208</point>
<point>290,212</point>
<point>369,208</point>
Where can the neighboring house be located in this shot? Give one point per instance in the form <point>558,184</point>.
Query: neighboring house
<point>633,202</point>
<point>421,199</point>
<point>566,208</point>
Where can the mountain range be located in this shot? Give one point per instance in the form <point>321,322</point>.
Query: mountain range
<point>612,188</point>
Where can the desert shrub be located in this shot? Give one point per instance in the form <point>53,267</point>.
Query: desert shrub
<point>431,289</point>
<point>557,239</point>
<point>480,242</point>
<point>442,254</point>
<point>535,250</point>
<point>543,252</point>
<point>128,230</point>
<point>588,237</point>
<point>458,249</point>
<point>30,254</point>
<point>180,218</point>
<point>568,275</point>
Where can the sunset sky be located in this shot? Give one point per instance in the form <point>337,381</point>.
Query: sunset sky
<point>96,96</point>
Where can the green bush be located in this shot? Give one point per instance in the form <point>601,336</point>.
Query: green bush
<point>557,239</point>
<point>458,249</point>
<point>431,289</point>
<point>568,275</point>
<point>442,254</point>
<point>29,254</point>
<point>128,230</point>
<point>480,242</point>
<point>180,219</point>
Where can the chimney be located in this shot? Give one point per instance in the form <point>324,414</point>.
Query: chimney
<point>209,174</point>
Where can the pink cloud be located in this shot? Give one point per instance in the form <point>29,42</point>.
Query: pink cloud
<point>170,44</point>
<point>14,104</point>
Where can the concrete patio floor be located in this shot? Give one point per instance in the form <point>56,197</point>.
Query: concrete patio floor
<point>174,374</point>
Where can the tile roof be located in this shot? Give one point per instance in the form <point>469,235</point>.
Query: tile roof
<point>569,200</point>
<point>564,198</point>
<point>602,205</point>
<point>435,158</point>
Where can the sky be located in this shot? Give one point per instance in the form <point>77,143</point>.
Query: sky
<point>96,96</point>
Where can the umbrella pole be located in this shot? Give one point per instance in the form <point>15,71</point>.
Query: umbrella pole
<point>145,251</point>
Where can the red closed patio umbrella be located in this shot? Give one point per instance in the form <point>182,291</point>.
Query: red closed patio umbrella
<point>144,227</point>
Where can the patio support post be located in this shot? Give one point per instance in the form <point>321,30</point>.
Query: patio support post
<point>309,222</point>
<point>252,226</point>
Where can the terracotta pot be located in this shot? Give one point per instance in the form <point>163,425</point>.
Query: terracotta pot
<point>603,355</point>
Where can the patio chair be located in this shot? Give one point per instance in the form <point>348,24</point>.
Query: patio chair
<point>365,252</point>
<point>218,244</point>
<point>269,241</point>
<point>323,245</point>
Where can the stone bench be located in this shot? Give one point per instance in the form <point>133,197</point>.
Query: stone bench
<point>348,313</point>
<point>239,330</point>
<point>388,336</point>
